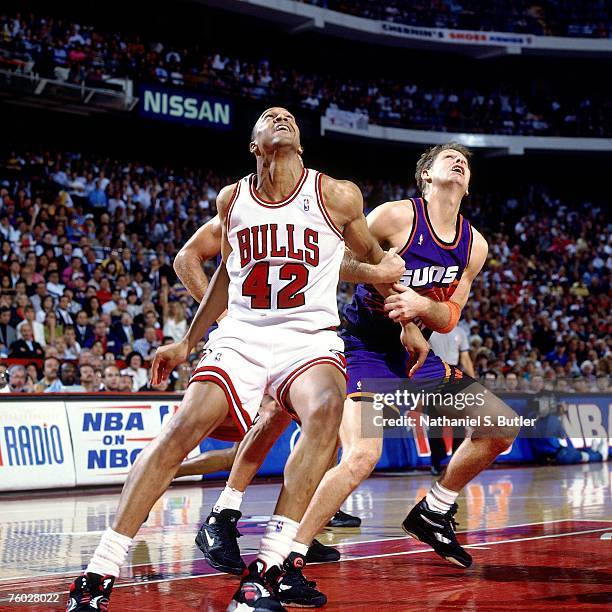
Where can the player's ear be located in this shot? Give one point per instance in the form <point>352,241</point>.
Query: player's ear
<point>426,176</point>
<point>301,151</point>
<point>254,149</point>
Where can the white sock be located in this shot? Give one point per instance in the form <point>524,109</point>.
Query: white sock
<point>230,499</point>
<point>301,549</point>
<point>110,554</point>
<point>277,540</point>
<point>440,499</point>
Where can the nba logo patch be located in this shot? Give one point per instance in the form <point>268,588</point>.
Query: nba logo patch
<point>420,239</point>
<point>306,203</point>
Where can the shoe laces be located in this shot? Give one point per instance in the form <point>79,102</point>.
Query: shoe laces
<point>230,528</point>
<point>299,577</point>
<point>450,517</point>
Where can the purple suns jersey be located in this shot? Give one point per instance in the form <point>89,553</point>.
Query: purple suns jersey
<point>433,269</point>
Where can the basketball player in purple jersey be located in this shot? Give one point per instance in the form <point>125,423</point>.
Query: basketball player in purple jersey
<point>443,254</point>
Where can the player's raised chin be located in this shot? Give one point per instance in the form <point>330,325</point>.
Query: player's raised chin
<point>275,130</point>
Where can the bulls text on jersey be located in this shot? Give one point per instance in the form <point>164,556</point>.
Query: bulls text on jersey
<point>269,241</point>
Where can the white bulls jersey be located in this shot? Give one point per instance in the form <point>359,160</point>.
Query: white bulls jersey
<point>286,256</point>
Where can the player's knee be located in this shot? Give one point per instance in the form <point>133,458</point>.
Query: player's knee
<point>361,462</point>
<point>324,415</point>
<point>505,434</point>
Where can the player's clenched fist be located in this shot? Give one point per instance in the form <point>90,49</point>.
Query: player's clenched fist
<point>391,267</point>
<point>166,359</point>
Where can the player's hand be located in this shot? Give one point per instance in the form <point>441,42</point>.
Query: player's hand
<point>416,345</point>
<point>166,359</point>
<point>404,305</point>
<point>390,268</point>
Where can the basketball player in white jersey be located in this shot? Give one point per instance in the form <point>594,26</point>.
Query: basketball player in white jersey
<point>283,236</point>
<point>217,537</point>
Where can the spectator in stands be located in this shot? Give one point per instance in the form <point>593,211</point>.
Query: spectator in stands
<point>88,379</point>
<point>4,383</point>
<point>124,331</point>
<point>147,345</point>
<point>110,378</point>
<point>134,369</point>
<point>67,382</point>
<point>126,382</point>
<point>54,288</point>
<point>512,382</point>
<point>64,315</point>
<point>72,348</point>
<point>37,327</point>
<point>83,330</point>
<point>51,367</point>
<point>175,323</point>
<point>8,334</point>
<point>27,347</point>
<point>19,381</point>
<point>552,445</point>
<point>53,330</point>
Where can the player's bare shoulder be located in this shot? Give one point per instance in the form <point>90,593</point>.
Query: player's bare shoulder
<point>342,199</point>
<point>224,199</point>
<point>391,222</point>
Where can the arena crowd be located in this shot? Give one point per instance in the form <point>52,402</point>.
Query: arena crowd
<point>550,18</point>
<point>88,291</point>
<point>78,53</point>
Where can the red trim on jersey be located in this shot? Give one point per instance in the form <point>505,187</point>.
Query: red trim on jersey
<point>469,250</point>
<point>458,230</point>
<point>231,205</point>
<point>283,389</point>
<point>323,209</point>
<point>412,231</point>
<point>279,203</point>
<point>219,377</point>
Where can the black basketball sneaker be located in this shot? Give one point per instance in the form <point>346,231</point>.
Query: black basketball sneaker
<point>294,590</point>
<point>342,519</point>
<point>257,590</point>
<point>319,553</point>
<point>438,530</point>
<point>218,540</point>
<point>90,592</point>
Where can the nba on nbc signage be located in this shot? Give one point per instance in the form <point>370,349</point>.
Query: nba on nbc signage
<point>191,108</point>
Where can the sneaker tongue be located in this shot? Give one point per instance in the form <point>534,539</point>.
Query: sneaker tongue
<point>233,516</point>
<point>295,561</point>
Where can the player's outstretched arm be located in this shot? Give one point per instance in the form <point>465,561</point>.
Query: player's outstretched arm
<point>439,316</point>
<point>388,270</point>
<point>203,245</point>
<point>212,306</point>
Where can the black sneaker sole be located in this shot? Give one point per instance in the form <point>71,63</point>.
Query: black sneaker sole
<point>226,569</point>
<point>452,560</point>
<point>330,557</point>
<point>235,606</point>
<point>314,603</point>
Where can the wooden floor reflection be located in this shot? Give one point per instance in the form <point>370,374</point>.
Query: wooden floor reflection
<point>541,538</point>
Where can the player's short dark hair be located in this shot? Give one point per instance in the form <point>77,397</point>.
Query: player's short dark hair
<point>428,157</point>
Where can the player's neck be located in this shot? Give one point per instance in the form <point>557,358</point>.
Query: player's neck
<point>443,209</point>
<point>278,174</point>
